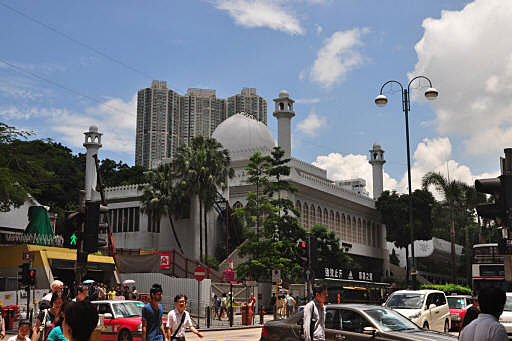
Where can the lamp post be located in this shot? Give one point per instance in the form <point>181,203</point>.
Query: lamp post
<point>381,101</point>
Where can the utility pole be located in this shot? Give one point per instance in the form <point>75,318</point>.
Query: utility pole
<point>310,287</point>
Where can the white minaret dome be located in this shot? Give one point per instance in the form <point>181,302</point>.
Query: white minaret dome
<point>93,129</point>
<point>284,94</point>
<point>376,146</point>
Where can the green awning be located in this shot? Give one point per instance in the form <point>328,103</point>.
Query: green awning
<point>39,225</point>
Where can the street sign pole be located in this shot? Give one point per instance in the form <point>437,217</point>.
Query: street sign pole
<point>198,304</point>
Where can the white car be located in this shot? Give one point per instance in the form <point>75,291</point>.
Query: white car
<point>427,308</point>
<point>506,316</point>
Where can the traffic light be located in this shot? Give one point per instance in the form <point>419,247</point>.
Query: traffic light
<point>302,252</point>
<point>32,276</point>
<point>501,190</point>
<point>95,219</point>
<point>24,274</point>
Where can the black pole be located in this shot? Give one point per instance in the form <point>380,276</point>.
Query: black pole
<point>405,99</point>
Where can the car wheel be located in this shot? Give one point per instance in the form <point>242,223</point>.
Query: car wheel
<point>446,326</point>
<point>425,325</point>
<point>125,335</point>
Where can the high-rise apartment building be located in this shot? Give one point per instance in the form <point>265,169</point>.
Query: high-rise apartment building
<point>249,102</point>
<point>158,117</point>
<point>165,120</point>
<point>201,112</point>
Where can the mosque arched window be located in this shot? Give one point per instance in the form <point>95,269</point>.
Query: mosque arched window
<point>319,215</point>
<point>364,238</point>
<point>359,231</point>
<point>305,217</point>
<point>281,106</point>
<point>349,229</point>
<point>326,218</point>
<point>337,232</point>
<point>237,204</point>
<point>312,218</point>
<point>298,207</point>
<point>331,221</point>
<point>343,227</point>
<point>354,230</point>
<point>374,235</point>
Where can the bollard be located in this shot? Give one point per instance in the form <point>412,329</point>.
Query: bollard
<point>208,317</point>
<point>230,314</point>
<point>261,314</point>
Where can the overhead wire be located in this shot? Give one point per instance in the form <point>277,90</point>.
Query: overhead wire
<point>76,41</point>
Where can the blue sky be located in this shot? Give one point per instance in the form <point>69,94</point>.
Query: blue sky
<point>331,55</point>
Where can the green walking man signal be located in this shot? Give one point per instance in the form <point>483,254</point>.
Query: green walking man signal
<point>73,239</point>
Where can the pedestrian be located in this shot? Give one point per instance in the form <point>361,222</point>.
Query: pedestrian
<point>57,334</point>
<point>111,294</point>
<point>178,319</point>
<point>80,320</point>
<point>314,315</point>
<point>134,293</point>
<point>216,306</point>
<point>46,318</point>
<point>252,302</point>
<point>23,331</point>
<point>55,286</point>
<point>83,293</point>
<point>223,305</point>
<point>152,327</point>
<point>471,313</point>
<point>486,326</point>
<point>290,304</point>
<point>2,325</point>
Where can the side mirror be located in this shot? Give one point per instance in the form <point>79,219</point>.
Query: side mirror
<point>107,315</point>
<point>369,331</point>
<point>432,306</point>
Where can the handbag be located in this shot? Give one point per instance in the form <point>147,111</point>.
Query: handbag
<point>173,337</point>
<point>40,331</point>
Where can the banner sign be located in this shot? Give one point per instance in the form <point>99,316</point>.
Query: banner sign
<point>335,273</point>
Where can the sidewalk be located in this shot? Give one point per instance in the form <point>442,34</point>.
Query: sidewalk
<point>237,323</point>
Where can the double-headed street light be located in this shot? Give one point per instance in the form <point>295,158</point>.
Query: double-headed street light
<point>381,101</point>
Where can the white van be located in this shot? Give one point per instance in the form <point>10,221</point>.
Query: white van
<point>427,308</point>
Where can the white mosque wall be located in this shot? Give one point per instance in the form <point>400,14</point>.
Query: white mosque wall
<point>423,249</point>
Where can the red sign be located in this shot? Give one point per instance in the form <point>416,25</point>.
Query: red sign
<point>165,261</point>
<point>199,273</point>
<point>228,275</point>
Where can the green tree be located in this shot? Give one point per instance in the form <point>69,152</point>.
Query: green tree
<point>453,192</point>
<point>394,209</point>
<point>164,196</point>
<point>327,251</point>
<point>203,167</point>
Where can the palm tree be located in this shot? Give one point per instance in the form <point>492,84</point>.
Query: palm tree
<point>161,196</point>
<point>203,166</point>
<point>453,192</point>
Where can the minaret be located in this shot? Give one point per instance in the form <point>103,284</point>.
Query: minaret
<point>377,161</point>
<point>92,144</point>
<point>284,113</point>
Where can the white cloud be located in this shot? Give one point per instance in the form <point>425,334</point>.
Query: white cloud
<point>431,155</point>
<point>115,118</point>
<point>337,57</point>
<point>352,166</point>
<point>311,124</point>
<point>319,29</point>
<point>468,57</point>
<point>307,100</point>
<point>262,13</point>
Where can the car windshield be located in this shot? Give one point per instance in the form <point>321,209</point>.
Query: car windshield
<point>389,320</point>
<point>456,302</point>
<point>127,309</point>
<point>405,301</point>
<point>508,304</point>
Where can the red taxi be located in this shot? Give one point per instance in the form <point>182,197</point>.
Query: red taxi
<point>122,320</point>
<point>458,305</point>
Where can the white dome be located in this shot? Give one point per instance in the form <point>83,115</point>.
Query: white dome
<point>243,134</point>
<point>284,94</point>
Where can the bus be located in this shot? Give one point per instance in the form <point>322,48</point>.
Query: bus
<point>487,267</point>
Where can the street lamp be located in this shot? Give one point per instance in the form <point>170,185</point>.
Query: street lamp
<point>381,101</point>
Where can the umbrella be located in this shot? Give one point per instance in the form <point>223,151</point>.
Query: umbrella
<point>128,281</point>
<point>88,281</point>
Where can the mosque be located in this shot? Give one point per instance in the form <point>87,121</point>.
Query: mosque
<point>343,206</point>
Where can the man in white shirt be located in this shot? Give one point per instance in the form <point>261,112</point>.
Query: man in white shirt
<point>176,316</point>
<point>314,315</point>
<point>23,330</point>
<point>486,327</point>
<point>56,286</point>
